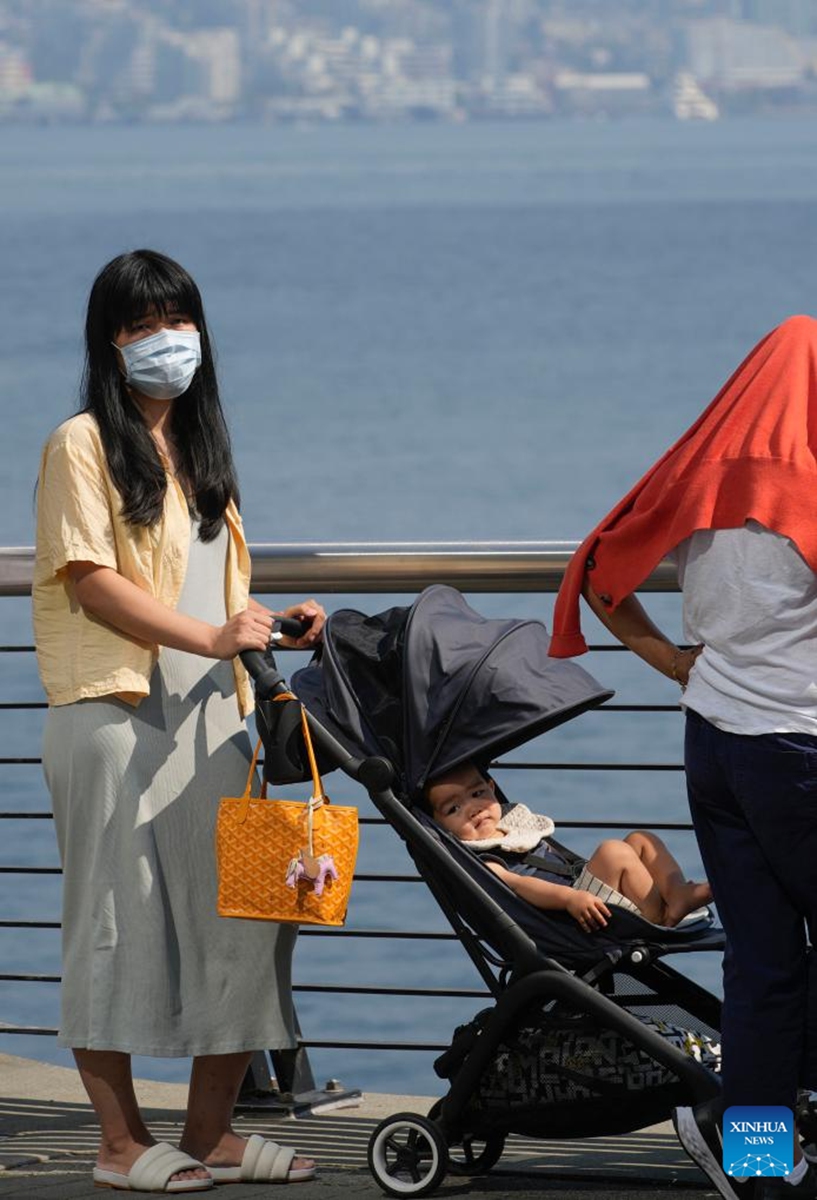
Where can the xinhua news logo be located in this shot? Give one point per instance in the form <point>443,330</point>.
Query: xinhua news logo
<point>758,1140</point>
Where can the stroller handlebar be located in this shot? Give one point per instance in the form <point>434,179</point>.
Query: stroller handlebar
<point>288,627</point>
<point>267,679</point>
<point>268,682</point>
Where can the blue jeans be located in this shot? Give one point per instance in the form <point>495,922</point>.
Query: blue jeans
<point>754,807</point>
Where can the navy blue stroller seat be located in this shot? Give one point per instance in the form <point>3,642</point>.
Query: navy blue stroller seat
<point>401,696</point>
<point>435,685</point>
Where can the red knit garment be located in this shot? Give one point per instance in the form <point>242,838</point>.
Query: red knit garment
<point>752,454</point>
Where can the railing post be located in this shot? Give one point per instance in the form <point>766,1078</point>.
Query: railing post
<point>291,1087</point>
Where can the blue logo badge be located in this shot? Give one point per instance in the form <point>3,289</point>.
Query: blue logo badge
<point>758,1140</point>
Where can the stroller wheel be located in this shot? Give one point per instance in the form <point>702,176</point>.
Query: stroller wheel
<point>470,1154</point>
<point>408,1155</point>
<point>475,1155</point>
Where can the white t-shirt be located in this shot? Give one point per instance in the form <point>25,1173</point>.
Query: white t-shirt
<point>751,599</point>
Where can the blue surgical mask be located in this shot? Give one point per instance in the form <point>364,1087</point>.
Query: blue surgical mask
<point>162,366</point>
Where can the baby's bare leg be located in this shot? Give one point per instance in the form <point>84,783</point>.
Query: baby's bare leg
<point>619,865</point>
<point>679,895</point>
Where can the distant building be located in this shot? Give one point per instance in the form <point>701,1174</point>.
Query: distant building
<point>218,53</point>
<point>517,94</point>
<point>798,17</point>
<point>413,98</point>
<point>608,92</point>
<point>734,55</point>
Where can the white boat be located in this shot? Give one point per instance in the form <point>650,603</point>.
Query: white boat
<point>690,102</point>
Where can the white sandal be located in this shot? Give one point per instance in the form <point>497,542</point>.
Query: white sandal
<point>264,1161</point>
<point>153,1171</point>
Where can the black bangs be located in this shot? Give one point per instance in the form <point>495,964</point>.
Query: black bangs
<point>144,281</point>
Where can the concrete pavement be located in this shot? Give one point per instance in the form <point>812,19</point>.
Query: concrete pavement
<point>48,1146</point>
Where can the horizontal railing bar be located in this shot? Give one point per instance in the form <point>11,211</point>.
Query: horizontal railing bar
<point>30,924</point>
<point>11,870</point>
<point>599,824</point>
<point>307,1043</point>
<point>601,648</point>
<point>283,567</point>
<point>26,816</point>
<point>42,815</point>
<point>6,978</point>
<point>386,878</point>
<point>26,870</point>
<point>635,708</point>
<point>509,766</point>
<point>569,766</point>
<point>366,990</point>
<point>396,934</point>
<point>28,1029</point>
<point>320,988</point>
<point>312,1044</point>
<point>48,816</point>
<point>22,705</point>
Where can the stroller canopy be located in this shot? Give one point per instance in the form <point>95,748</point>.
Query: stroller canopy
<point>437,684</point>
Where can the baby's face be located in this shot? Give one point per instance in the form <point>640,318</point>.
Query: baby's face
<point>464,803</point>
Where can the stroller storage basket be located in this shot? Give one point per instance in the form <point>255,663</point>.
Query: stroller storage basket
<point>568,1074</point>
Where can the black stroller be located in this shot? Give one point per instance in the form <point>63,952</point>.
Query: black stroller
<point>588,1035</point>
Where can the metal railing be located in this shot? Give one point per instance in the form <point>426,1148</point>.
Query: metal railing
<point>377,568</point>
<point>360,568</point>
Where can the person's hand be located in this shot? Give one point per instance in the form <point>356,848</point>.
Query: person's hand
<point>682,663</point>
<point>313,617</point>
<point>585,908</point>
<point>247,630</point>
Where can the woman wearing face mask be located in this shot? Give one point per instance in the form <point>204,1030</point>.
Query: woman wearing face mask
<point>141,605</point>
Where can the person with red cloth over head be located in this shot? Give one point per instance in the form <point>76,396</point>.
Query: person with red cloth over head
<point>734,502</point>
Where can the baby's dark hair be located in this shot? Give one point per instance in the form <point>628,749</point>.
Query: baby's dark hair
<point>421,800</point>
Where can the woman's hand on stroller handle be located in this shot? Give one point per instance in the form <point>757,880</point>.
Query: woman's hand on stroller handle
<point>300,626</point>
<point>246,630</point>
<point>257,628</point>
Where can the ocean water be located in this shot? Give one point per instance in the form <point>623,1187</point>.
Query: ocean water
<point>424,333</point>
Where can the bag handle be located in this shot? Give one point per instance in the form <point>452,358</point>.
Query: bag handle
<point>247,794</point>
<point>318,798</point>
<point>318,795</point>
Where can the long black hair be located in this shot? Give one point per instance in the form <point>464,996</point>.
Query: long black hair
<point>127,288</point>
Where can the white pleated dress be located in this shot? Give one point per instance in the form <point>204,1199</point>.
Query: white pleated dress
<point>148,965</point>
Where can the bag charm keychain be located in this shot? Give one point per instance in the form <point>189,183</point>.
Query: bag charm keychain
<point>314,870</point>
<point>305,865</point>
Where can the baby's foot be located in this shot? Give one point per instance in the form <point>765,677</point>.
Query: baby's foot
<point>686,898</point>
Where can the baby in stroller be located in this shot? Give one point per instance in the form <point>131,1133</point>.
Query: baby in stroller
<point>638,872</point>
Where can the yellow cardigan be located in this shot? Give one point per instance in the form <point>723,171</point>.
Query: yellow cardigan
<point>79,519</point>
